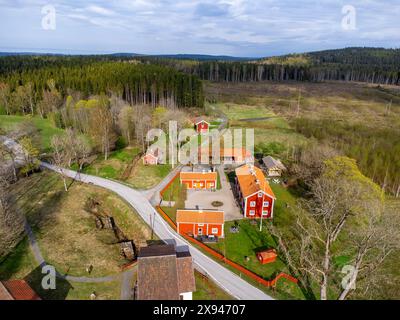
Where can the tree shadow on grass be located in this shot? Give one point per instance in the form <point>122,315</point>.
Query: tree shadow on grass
<point>35,278</point>
<point>13,262</point>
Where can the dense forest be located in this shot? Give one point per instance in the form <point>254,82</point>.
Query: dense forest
<point>373,65</point>
<point>30,78</point>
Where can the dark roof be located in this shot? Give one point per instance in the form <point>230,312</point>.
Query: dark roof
<point>186,282</point>
<point>271,162</point>
<point>199,119</point>
<point>17,290</point>
<point>163,274</point>
<point>157,250</point>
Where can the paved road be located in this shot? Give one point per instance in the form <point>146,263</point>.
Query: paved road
<point>226,279</point>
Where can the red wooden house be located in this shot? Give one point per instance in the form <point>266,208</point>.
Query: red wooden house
<point>199,180</point>
<point>201,126</point>
<point>267,256</point>
<point>200,222</point>
<point>153,156</point>
<point>254,192</point>
<point>17,290</point>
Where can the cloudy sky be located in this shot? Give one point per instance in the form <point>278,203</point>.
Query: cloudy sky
<point>249,28</point>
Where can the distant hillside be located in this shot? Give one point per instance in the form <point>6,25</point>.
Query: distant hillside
<point>201,57</point>
<point>349,56</point>
<point>372,65</point>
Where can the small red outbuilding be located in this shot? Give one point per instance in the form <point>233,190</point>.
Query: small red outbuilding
<point>267,256</point>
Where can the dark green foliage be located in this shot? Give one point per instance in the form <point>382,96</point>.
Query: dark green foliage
<point>373,65</point>
<point>135,82</point>
<point>273,148</point>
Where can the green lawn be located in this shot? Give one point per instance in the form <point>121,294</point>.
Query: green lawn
<point>274,129</point>
<point>115,165</point>
<point>46,128</point>
<point>206,289</point>
<point>66,231</point>
<point>21,264</point>
<point>146,177</point>
<point>176,193</point>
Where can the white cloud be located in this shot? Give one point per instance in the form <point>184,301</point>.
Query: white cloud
<point>100,10</point>
<point>242,27</point>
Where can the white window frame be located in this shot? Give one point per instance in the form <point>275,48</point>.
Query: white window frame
<point>214,230</point>
<point>252,204</point>
<point>252,212</point>
<point>265,213</point>
<point>266,203</point>
<point>260,194</point>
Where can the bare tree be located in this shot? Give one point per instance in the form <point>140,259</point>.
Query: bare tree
<point>102,126</point>
<point>373,243</point>
<point>5,97</point>
<point>126,123</point>
<point>342,202</point>
<point>61,156</point>
<point>11,220</point>
<point>8,154</point>
<point>51,99</point>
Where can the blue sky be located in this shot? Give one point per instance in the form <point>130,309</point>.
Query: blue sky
<point>232,27</point>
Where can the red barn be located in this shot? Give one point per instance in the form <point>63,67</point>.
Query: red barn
<point>199,180</point>
<point>201,126</point>
<point>154,156</point>
<point>17,290</point>
<point>254,192</point>
<point>200,222</point>
<point>267,256</point>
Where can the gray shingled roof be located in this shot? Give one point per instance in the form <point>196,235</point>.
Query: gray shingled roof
<point>163,274</point>
<point>270,162</point>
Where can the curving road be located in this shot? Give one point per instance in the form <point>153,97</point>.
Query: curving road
<point>230,282</point>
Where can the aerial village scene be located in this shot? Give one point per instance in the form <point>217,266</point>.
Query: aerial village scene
<point>199,151</point>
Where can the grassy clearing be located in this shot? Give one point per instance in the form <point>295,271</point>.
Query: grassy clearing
<point>66,233</point>
<point>46,128</point>
<point>176,193</point>
<point>268,126</point>
<point>115,165</point>
<point>146,177</point>
<point>21,264</point>
<point>206,289</point>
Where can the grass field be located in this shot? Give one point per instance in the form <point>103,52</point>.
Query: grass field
<point>46,129</point>
<point>268,126</point>
<point>138,175</point>
<point>206,289</point>
<point>22,265</point>
<point>146,177</point>
<point>114,166</point>
<point>66,233</point>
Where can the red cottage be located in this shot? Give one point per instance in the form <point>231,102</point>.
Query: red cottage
<point>201,126</point>
<point>254,192</point>
<point>200,222</point>
<point>267,256</point>
<point>153,156</point>
<point>199,180</point>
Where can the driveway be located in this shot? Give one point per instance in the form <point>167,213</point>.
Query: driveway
<point>204,199</point>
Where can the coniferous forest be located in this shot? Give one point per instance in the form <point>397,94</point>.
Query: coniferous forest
<point>30,78</point>
<point>372,65</point>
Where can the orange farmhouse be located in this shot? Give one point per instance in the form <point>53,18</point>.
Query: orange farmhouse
<point>200,222</point>
<point>199,180</point>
